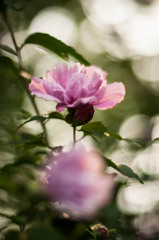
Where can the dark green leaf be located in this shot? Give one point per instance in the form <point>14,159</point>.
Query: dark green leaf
<point>8,49</point>
<point>118,137</point>
<point>110,163</point>
<point>29,140</point>
<point>131,141</point>
<point>125,170</point>
<point>114,135</point>
<point>94,128</point>
<point>56,115</point>
<point>156,140</point>
<point>8,65</point>
<point>38,118</point>
<point>54,45</point>
<point>24,114</point>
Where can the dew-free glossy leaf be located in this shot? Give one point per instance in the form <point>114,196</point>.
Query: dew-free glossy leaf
<point>123,169</point>
<point>127,171</point>
<point>54,45</point>
<point>8,49</point>
<point>38,118</point>
<point>94,128</point>
<point>56,115</point>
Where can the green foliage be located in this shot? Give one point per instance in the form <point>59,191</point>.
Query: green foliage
<point>37,118</point>
<point>56,115</point>
<point>118,137</point>
<point>127,171</point>
<point>123,169</point>
<point>94,129</point>
<point>8,49</point>
<point>52,115</point>
<point>98,129</point>
<point>55,46</point>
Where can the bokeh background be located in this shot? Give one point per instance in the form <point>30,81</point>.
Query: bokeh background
<point>121,37</point>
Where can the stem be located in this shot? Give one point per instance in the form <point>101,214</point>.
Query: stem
<point>17,48</point>
<point>74,134</point>
<point>22,228</point>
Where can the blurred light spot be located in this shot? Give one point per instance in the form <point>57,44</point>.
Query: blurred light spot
<point>90,37</point>
<point>57,22</point>
<point>155,129</point>
<point>103,12</point>
<point>128,28</point>
<point>148,161</point>
<point>147,69</point>
<point>136,126</point>
<point>138,198</point>
<point>142,33</point>
<point>60,133</point>
<point>147,223</point>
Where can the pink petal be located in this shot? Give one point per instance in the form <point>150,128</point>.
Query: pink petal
<point>59,74</point>
<point>44,89</point>
<point>36,88</point>
<point>76,68</point>
<point>91,70</point>
<point>60,107</point>
<point>114,94</point>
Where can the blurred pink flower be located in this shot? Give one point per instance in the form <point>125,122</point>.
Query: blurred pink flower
<point>77,85</point>
<point>76,180</point>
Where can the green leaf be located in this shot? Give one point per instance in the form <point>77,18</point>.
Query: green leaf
<point>114,135</point>
<point>94,128</point>
<point>8,49</point>
<point>56,115</point>
<point>54,45</point>
<point>24,114</point>
<point>38,118</point>
<point>125,170</point>
<point>131,141</point>
<point>8,65</point>
<point>156,140</point>
<point>118,137</point>
<point>110,163</point>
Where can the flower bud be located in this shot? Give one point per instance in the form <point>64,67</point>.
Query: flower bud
<point>101,233</point>
<point>84,113</point>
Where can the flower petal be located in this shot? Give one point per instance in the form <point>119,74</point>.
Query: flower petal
<point>44,89</point>
<point>114,94</point>
<point>59,74</point>
<point>91,70</point>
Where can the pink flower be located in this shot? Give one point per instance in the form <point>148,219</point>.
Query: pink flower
<point>77,85</point>
<point>76,180</point>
